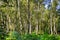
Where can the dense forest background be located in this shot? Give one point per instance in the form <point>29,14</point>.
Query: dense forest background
<point>30,16</point>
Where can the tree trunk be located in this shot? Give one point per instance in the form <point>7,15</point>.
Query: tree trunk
<point>37,21</point>
<point>19,15</point>
<point>51,23</point>
<point>29,18</point>
<point>55,31</point>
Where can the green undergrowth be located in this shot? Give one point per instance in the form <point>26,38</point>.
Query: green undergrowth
<point>40,37</point>
<point>16,36</point>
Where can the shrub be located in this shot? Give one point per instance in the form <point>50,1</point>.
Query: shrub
<point>30,37</point>
<point>2,36</point>
<point>58,37</point>
<point>13,36</point>
<point>40,37</point>
<point>52,37</point>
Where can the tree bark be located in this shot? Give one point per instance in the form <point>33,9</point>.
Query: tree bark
<point>29,18</point>
<point>51,23</point>
<point>19,15</point>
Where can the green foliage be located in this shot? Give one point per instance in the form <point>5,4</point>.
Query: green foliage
<point>13,36</point>
<point>40,37</point>
<point>52,37</point>
<point>30,37</point>
<point>2,36</point>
